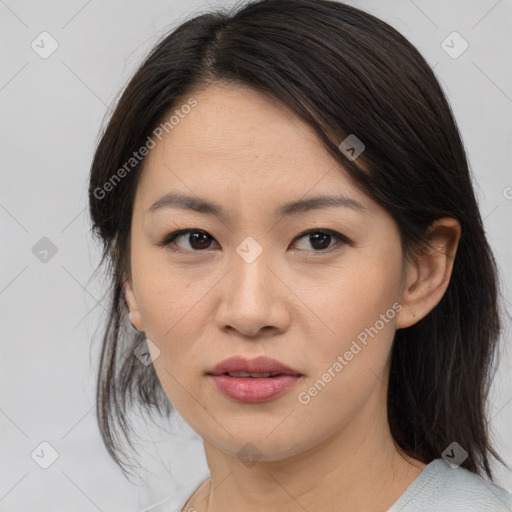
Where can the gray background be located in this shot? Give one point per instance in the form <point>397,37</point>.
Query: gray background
<point>51,112</point>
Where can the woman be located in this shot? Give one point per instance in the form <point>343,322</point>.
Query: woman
<point>287,211</point>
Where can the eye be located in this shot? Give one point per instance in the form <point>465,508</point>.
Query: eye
<point>197,238</point>
<point>320,238</point>
<point>200,240</point>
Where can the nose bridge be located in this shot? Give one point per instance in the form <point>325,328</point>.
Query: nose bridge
<point>250,300</point>
<point>251,277</point>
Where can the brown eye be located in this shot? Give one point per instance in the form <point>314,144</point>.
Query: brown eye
<point>320,239</point>
<point>198,240</point>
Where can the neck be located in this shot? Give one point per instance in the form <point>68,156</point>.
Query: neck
<point>357,468</point>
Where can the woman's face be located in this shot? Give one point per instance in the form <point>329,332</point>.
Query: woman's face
<point>252,284</point>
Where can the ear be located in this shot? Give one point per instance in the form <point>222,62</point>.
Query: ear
<point>131,302</point>
<point>428,277</point>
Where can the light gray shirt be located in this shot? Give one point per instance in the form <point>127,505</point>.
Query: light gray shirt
<point>438,488</point>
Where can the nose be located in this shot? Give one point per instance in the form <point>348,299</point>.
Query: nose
<point>253,298</point>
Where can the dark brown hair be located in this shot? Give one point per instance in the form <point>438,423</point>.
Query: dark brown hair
<point>344,72</point>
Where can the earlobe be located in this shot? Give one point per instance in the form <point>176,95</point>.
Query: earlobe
<point>131,302</point>
<point>428,277</point>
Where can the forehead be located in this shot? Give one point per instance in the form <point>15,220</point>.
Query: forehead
<point>239,143</point>
<point>234,122</point>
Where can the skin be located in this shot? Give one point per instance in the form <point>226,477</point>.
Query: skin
<point>300,302</point>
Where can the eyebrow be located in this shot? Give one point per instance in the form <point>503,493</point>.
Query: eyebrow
<point>196,204</point>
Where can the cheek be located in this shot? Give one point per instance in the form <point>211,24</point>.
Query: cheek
<point>358,312</point>
<point>347,372</point>
<point>166,292</point>
<point>355,295</point>
<point>171,316</point>
<point>169,302</point>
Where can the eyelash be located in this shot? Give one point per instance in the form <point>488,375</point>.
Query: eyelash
<point>171,237</point>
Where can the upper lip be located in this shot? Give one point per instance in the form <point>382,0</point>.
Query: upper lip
<point>259,365</point>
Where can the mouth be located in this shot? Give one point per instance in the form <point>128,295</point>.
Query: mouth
<point>253,390</point>
<point>253,381</point>
<point>261,367</point>
<point>246,375</point>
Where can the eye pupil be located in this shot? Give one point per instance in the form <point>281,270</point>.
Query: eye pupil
<point>314,239</point>
<point>194,238</point>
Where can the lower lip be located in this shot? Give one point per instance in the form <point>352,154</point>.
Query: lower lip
<point>254,389</point>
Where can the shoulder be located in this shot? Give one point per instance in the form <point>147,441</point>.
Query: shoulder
<point>441,488</point>
<point>175,502</point>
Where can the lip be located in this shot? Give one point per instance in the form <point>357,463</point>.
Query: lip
<point>261,364</point>
<point>253,389</point>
